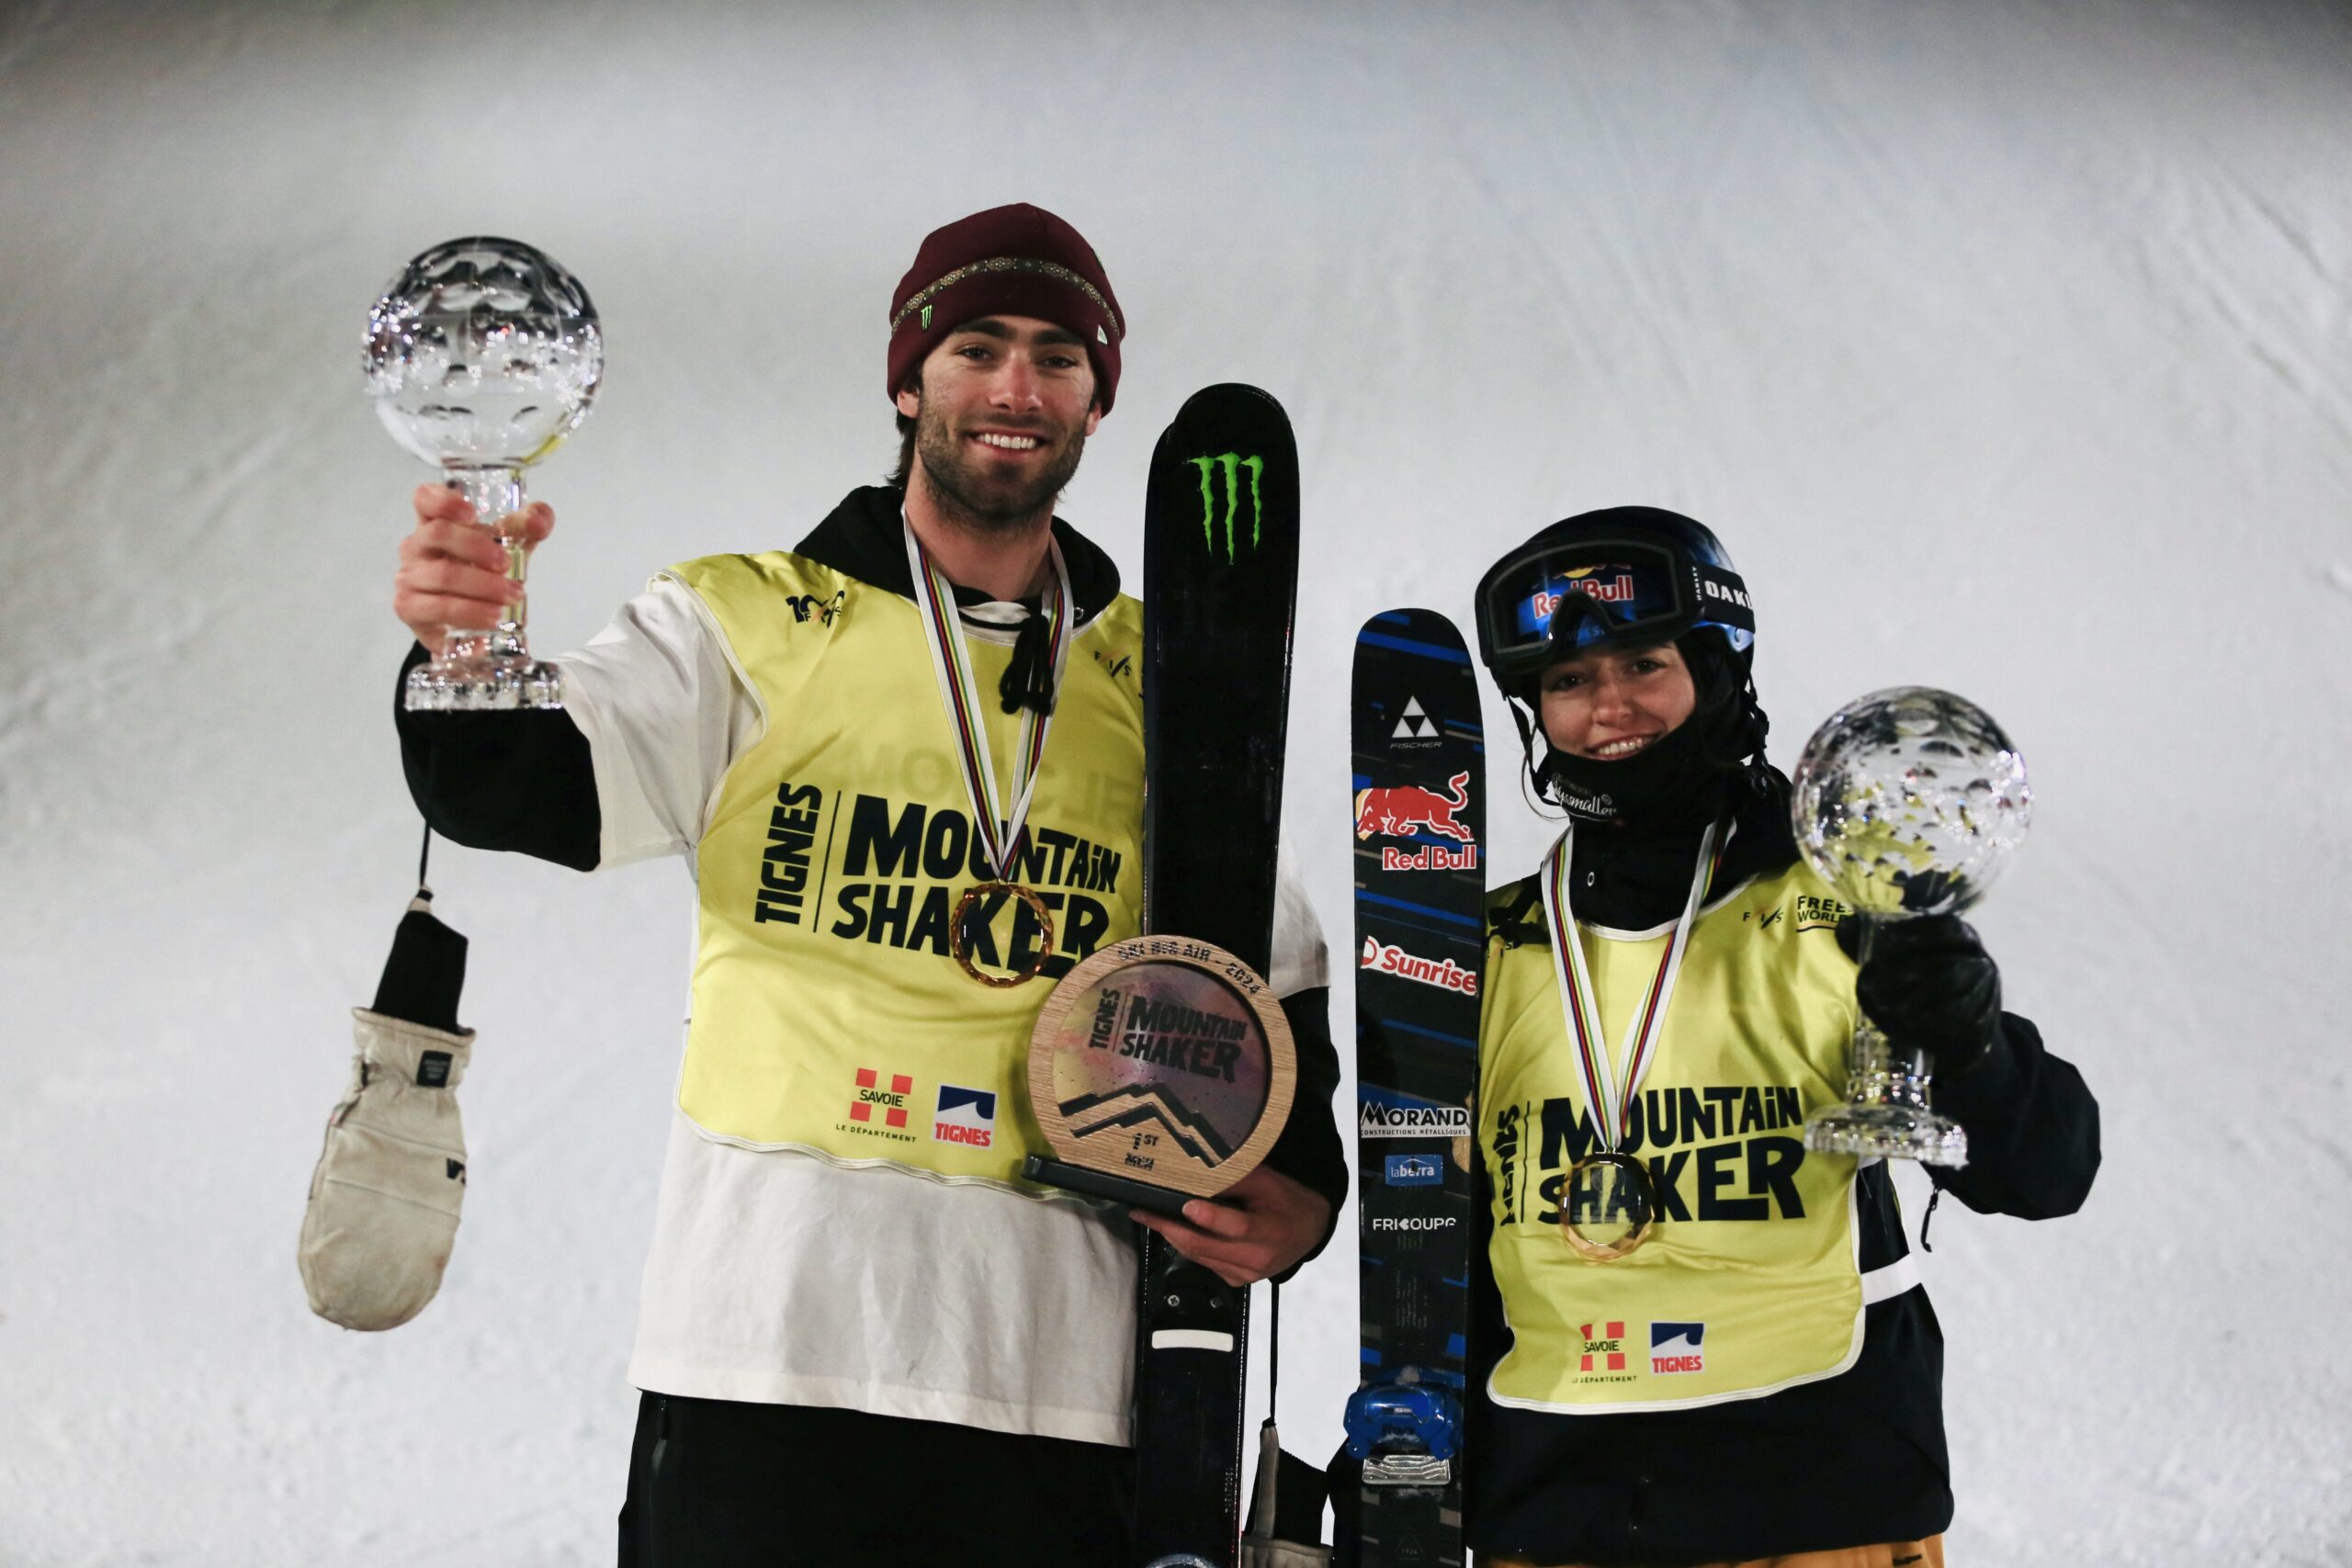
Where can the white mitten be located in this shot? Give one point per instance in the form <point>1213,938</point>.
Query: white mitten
<point>384,1200</point>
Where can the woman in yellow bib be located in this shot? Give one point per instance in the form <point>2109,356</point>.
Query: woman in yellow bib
<point>1698,1342</point>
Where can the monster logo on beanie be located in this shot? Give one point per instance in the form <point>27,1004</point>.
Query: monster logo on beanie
<point>1016,261</point>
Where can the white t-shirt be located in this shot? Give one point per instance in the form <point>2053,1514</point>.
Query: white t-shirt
<point>776,1277</point>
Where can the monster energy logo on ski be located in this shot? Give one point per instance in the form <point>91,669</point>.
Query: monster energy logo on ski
<point>1230,464</point>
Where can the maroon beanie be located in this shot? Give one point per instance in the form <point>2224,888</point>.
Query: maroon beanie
<point>1012,260</point>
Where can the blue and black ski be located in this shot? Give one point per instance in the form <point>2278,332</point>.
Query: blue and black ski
<point>1420,811</point>
<point>1220,580</point>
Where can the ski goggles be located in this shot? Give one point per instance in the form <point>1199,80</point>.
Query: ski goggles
<point>1552,599</point>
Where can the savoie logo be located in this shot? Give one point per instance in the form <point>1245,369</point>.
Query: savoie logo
<point>1230,465</point>
<point>1413,1170</point>
<point>887,1091</point>
<point>1376,1121</point>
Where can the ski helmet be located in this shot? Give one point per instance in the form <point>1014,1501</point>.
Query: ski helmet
<point>1624,575</point>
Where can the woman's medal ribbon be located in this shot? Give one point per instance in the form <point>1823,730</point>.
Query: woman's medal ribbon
<point>1003,833</point>
<point>1610,1203</point>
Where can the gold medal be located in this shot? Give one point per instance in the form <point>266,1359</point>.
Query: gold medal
<point>1609,1203</point>
<point>961,949</point>
<point>1003,832</point>
<point>1608,1206</point>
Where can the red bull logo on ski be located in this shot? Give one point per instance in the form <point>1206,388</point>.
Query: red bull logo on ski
<point>1401,811</point>
<point>1444,973</point>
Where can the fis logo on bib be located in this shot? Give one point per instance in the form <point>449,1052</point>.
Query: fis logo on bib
<point>1444,974</point>
<point>1678,1347</point>
<point>1374,1119</point>
<point>1415,1170</point>
<point>967,1116</point>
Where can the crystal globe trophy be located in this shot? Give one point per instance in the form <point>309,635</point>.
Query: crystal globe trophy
<point>482,356</point>
<point>1908,802</point>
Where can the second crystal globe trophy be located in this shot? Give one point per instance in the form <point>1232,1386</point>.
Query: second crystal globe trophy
<point>1908,802</point>
<point>482,356</point>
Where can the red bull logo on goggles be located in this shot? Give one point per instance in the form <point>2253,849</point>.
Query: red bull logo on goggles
<point>1617,591</point>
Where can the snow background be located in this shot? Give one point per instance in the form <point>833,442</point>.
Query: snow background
<point>2007,343</point>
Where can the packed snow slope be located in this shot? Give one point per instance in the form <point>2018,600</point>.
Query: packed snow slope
<point>2007,343</point>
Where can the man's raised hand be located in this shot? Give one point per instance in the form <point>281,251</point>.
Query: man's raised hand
<point>453,570</point>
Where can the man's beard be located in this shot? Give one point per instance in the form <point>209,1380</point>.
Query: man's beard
<point>981,502</point>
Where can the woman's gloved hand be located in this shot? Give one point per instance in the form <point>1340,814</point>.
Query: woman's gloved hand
<point>1929,983</point>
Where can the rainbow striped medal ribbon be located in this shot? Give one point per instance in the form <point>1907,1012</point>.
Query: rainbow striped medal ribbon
<point>1610,1203</point>
<point>1003,834</point>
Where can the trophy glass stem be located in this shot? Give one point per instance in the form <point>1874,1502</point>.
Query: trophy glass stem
<point>478,670</point>
<point>1886,1111</point>
<point>495,493</point>
<point>1881,1075</point>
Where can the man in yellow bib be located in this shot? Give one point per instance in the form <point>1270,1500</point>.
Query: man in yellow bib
<point>1755,1378</point>
<point>905,759</point>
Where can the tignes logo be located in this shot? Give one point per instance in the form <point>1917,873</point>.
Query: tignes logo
<point>1230,465</point>
<point>965,1116</point>
<point>1678,1347</point>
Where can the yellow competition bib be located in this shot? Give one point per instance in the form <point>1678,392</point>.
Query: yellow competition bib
<point>828,1014</point>
<point>1749,1282</point>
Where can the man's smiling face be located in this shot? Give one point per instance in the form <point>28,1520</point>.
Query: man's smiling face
<point>1002,408</point>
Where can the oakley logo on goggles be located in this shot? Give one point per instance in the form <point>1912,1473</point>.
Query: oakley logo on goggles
<point>1613,590</point>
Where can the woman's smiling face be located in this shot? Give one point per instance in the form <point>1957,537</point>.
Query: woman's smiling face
<point>1608,703</point>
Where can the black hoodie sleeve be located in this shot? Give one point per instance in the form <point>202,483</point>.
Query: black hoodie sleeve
<point>519,780</point>
<point>1309,1151</point>
<point>2033,1129</point>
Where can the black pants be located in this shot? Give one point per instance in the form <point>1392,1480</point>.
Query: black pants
<point>717,1485</point>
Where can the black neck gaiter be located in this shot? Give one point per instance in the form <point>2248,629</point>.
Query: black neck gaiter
<point>1669,786</point>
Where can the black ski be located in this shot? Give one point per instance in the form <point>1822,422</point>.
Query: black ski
<point>1419,799</point>
<point>1220,576</point>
